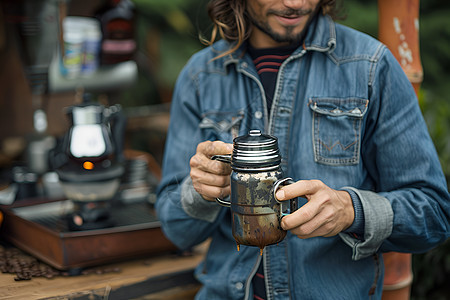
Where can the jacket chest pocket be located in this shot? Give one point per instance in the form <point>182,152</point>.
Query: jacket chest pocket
<point>337,129</point>
<point>222,124</point>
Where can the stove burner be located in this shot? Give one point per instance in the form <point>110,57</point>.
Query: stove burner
<point>90,215</point>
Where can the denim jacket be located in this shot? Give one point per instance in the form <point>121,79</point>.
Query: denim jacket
<point>343,112</point>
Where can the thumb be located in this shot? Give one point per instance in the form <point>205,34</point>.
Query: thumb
<point>209,148</point>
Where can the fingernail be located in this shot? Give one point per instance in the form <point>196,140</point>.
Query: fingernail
<point>280,195</point>
<point>283,225</point>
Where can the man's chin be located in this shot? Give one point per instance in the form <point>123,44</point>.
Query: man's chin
<point>290,39</point>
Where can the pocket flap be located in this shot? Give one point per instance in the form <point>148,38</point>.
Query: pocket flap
<point>221,121</point>
<point>352,107</point>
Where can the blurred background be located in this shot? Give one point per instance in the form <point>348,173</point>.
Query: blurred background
<point>165,35</point>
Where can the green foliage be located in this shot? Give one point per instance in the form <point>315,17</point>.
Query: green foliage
<point>167,35</point>
<point>435,50</point>
<point>162,7</point>
<point>361,15</point>
<point>431,274</point>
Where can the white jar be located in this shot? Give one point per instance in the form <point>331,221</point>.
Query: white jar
<point>82,41</point>
<point>73,48</point>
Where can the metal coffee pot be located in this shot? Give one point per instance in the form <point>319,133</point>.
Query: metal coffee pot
<point>90,162</point>
<point>256,175</point>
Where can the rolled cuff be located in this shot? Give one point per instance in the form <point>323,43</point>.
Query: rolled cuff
<point>194,205</point>
<point>378,222</point>
<point>357,228</point>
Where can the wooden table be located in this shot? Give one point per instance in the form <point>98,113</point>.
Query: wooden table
<point>167,276</point>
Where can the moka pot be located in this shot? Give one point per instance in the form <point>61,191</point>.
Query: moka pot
<point>256,175</point>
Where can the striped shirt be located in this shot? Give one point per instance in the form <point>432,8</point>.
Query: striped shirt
<point>268,62</point>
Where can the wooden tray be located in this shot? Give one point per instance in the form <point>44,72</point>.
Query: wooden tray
<point>40,229</point>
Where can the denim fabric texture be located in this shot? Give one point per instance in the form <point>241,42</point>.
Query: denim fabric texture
<point>345,113</point>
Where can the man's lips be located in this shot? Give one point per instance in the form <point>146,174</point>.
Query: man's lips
<point>289,20</point>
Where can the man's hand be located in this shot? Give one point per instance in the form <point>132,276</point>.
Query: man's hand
<point>211,178</point>
<point>327,212</point>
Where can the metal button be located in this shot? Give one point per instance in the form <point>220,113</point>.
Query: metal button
<point>239,285</point>
<point>336,111</point>
<point>356,110</point>
<point>258,114</point>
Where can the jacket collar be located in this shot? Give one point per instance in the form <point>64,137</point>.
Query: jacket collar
<point>321,34</point>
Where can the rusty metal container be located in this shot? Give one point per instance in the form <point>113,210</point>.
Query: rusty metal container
<point>256,174</point>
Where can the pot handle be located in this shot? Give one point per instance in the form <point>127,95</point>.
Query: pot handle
<point>289,206</point>
<point>226,158</point>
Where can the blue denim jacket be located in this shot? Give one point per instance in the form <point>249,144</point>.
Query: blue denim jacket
<point>345,113</point>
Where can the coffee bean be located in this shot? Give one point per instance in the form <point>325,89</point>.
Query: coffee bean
<point>25,267</point>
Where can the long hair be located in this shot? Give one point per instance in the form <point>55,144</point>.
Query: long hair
<point>230,21</point>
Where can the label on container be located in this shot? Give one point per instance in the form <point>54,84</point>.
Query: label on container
<point>72,59</point>
<point>90,56</point>
<point>119,46</point>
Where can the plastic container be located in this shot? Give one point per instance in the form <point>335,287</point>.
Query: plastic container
<point>82,41</point>
<point>73,49</point>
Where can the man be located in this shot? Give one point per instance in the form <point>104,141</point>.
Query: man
<point>350,133</point>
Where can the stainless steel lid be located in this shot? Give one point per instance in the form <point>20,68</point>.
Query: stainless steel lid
<point>87,114</point>
<point>255,152</point>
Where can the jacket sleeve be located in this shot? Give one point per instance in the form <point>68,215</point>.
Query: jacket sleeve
<point>409,207</point>
<point>186,218</point>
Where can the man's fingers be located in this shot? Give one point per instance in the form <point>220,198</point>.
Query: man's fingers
<point>209,148</point>
<point>301,188</point>
<point>211,178</point>
<point>314,229</point>
<point>210,192</point>
<point>202,177</point>
<point>326,213</point>
<point>301,216</point>
<point>310,222</point>
<point>204,163</point>
<point>202,159</point>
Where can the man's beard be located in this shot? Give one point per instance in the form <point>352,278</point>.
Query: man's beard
<point>288,36</point>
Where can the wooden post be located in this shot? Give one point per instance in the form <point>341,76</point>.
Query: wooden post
<point>398,29</point>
